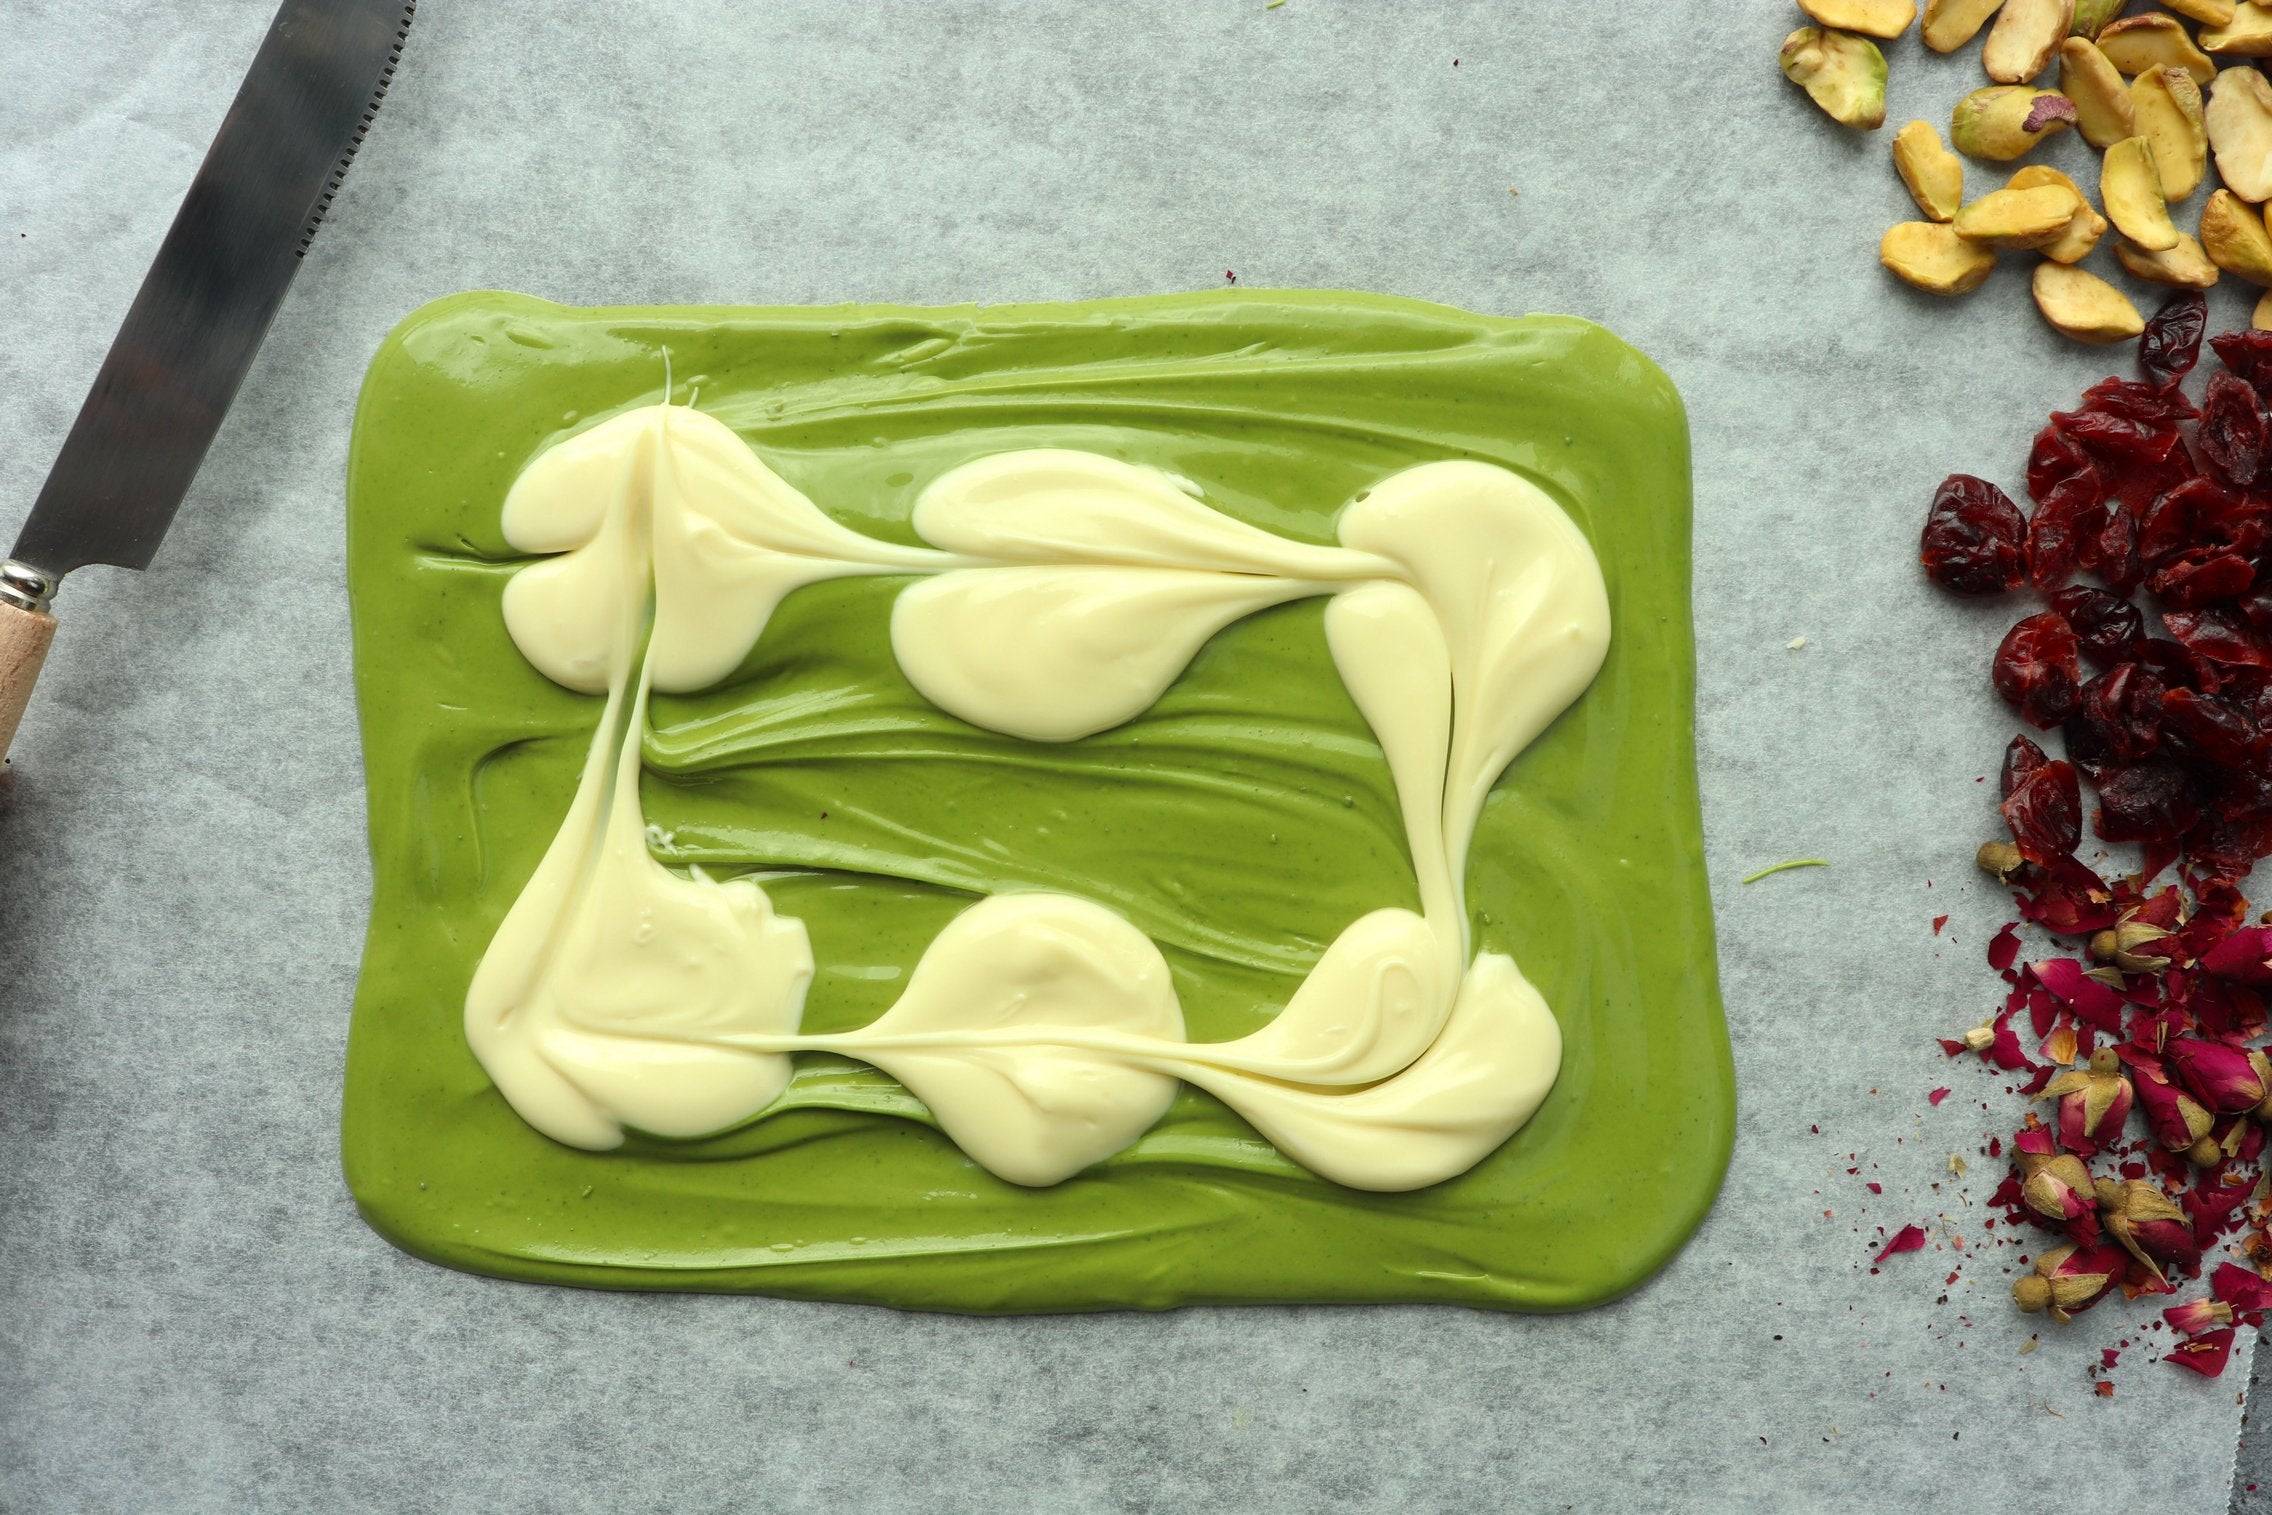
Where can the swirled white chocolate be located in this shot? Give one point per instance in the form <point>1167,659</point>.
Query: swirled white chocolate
<point>1062,594</point>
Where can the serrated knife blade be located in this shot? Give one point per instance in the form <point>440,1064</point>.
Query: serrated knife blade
<point>190,335</point>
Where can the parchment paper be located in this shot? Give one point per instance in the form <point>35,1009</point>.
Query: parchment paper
<point>193,1318</point>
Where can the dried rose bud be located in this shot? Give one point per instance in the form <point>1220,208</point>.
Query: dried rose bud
<point>2226,1079</point>
<point>2067,1279</point>
<point>2198,1315</point>
<point>2093,1103</point>
<point>2177,1119</point>
<point>2125,946</point>
<point>1999,858</point>
<point>2054,1184</point>
<point>2150,1225</point>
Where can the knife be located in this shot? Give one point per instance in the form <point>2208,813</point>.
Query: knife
<point>190,335</point>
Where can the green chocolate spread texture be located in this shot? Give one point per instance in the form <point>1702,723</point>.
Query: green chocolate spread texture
<point>1241,821</point>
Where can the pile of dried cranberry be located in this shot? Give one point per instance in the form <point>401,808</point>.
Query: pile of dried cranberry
<point>2158,679</point>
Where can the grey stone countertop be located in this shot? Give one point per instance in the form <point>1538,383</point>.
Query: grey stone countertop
<point>192,1316</point>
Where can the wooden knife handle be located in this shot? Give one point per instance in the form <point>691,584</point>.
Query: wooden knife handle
<point>24,639</point>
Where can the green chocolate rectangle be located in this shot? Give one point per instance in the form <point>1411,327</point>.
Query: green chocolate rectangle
<point>1241,822</point>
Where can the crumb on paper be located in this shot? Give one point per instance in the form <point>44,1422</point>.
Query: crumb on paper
<point>1796,643</point>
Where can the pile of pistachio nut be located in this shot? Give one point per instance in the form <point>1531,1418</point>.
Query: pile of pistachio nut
<point>2144,90</point>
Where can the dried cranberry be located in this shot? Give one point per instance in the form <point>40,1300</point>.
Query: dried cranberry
<point>2256,605</point>
<point>2197,513</point>
<point>2225,848</point>
<point>2248,354</point>
<point>2237,796</point>
<point>2217,637</point>
<point>2172,342</point>
<point>1973,536</point>
<point>2088,749</point>
<point>2197,579</point>
<point>2035,670</point>
<point>2155,404</point>
<point>2177,667</point>
<point>2108,628</point>
<point>2111,552</point>
<point>2248,690</point>
<point>2057,536</point>
<point>2059,466</point>
<point>2231,437</point>
<point>2150,802</point>
<point>2207,728</point>
<point>2021,758</point>
<point>2045,813</point>
<point>2139,484</point>
<point>2124,708</point>
<point>2118,439</point>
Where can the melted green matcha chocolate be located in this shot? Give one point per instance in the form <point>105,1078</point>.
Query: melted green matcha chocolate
<point>1241,822</point>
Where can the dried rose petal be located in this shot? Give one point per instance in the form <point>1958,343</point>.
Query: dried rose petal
<point>1907,1239</point>
<point>2072,986</point>
<point>2213,1208</point>
<point>2004,948</point>
<point>2005,1051</point>
<point>2198,1315</point>
<point>2070,900</point>
<point>2204,1355</point>
<point>2240,1288</point>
